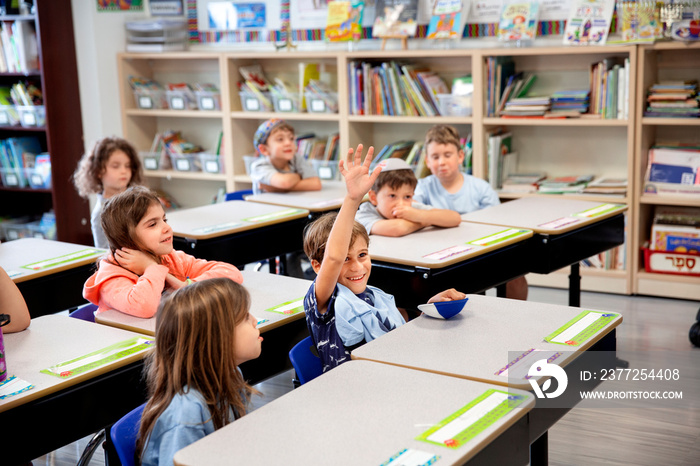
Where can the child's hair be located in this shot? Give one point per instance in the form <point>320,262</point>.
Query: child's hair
<point>262,134</point>
<point>316,235</point>
<point>91,166</point>
<point>395,179</point>
<point>122,213</point>
<point>195,348</point>
<point>442,134</point>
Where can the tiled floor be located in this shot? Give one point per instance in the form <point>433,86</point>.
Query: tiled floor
<point>652,328</point>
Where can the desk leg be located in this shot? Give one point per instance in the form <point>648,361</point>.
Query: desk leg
<point>539,451</point>
<point>575,285</point>
<point>501,290</point>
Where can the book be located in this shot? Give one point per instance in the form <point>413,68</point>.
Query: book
<point>607,185</point>
<point>448,19</point>
<point>395,18</point>
<point>307,72</point>
<point>565,184</point>
<point>344,21</point>
<point>588,22</point>
<point>518,21</point>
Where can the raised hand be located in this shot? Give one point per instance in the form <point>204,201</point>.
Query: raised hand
<point>358,179</point>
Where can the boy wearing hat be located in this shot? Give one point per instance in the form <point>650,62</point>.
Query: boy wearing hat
<point>391,210</point>
<point>279,168</point>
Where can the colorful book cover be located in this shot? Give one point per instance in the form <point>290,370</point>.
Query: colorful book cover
<point>344,21</point>
<point>447,20</point>
<point>518,21</point>
<point>589,22</point>
<point>395,18</point>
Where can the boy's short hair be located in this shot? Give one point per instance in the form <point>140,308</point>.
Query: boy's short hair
<point>442,134</point>
<point>316,235</point>
<point>395,179</point>
<point>262,134</point>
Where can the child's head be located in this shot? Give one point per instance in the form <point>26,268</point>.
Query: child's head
<point>275,139</point>
<point>443,152</point>
<point>394,186</point>
<point>357,267</point>
<point>203,332</point>
<point>135,219</point>
<point>109,168</point>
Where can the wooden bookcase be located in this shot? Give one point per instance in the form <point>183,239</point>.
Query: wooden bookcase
<point>62,134</point>
<point>663,61</point>
<point>605,147</point>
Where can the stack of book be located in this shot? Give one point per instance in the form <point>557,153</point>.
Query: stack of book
<point>607,185</point>
<point>502,161</point>
<point>19,51</point>
<point>565,184</point>
<point>526,107</point>
<point>522,182</point>
<point>674,99</point>
<point>569,103</point>
<point>610,88</point>
<point>18,161</point>
<point>673,169</point>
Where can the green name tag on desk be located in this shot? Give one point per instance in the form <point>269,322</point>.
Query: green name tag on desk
<point>72,257</point>
<point>581,328</point>
<point>273,216</point>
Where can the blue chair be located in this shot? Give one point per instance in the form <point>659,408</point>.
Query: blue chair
<point>238,195</point>
<point>124,434</point>
<point>305,361</point>
<point>85,312</point>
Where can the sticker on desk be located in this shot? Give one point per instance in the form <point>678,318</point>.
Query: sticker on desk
<point>598,211</point>
<point>471,420</point>
<point>559,223</point>
<point>328,203</point>
<point>218,227</point>
<point>289,308</point>
<point>449,252</point>
<point>74,256</point>
<point>14,273</point>
<point>519,367</point>
<point>12,386</point>
<point>411,457</point>
<point>261,320</point>
<point>581,328</point>
<point>499,237</point>
<point>274,215</point>
<point>99,358</point>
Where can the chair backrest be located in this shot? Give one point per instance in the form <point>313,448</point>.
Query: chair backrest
<point>306,364</point>
<point>85,312</point>
<point>124,434</point>
<point>238,195</point>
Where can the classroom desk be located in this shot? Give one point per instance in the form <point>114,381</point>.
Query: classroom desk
<point>566,231</point>
<point>362,413</point>
<point>280,332</point>
<point>480,341</point>
<point>238,232</point>
<point>415,267</point>
<point>330,197</point>
<point>59,411</point>
<point>49,274</point>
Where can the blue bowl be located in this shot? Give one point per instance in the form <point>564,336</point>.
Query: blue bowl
<point>443,309</point>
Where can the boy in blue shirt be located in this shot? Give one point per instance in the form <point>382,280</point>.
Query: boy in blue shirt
<point>449,188</point>
<point>342,311</point>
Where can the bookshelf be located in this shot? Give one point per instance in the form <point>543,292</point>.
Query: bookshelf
<point>604,147</point>
<point>663,61</point>
<point>62,134</point>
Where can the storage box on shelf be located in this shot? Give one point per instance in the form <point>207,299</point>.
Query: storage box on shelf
<point>668,61</point>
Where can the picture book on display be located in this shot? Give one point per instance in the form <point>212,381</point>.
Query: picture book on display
<point>395,18</point>
<point>518,21</point>
<point>589,22</point>
<point>448,19</point>
<point>344,21</point>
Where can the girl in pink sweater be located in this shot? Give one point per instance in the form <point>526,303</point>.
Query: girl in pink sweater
<point>143,263</point>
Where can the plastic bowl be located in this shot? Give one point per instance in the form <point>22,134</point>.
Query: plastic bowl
<point>443,309</point>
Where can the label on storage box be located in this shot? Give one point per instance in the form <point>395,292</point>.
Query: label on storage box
<point>669,262</point>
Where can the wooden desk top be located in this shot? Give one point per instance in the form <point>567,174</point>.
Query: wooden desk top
<point>547,215</point>
<point>457,346</point>
<point>435,248</point>
<point>358,413</point>
<point>225,218</point>
<point>28,258</point>
<point>267,290</point>
<point>55,339</point>
<point>330,197</point>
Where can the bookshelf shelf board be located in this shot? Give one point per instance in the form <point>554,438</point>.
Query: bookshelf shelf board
<point>29,74</point>
<point>410,119</point>
<point>604,50</point>
<point>242,179</point>
<point>17,17</point>
<point>668,277</point>
<point>671,121</point>
<point>286,116</point>
<point>25,190</point>
<point>31,129</point>
<point>172,174</point>
<point>553,122</point>
<point>174,113</point>
<point>665,199</point>
<point>579,197</point>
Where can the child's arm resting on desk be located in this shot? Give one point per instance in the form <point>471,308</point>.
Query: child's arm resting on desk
<point>13,304</point>
<point>435,217</point>
<point>395,227</point>
<point>358,181</point>
<point>308,184</point>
